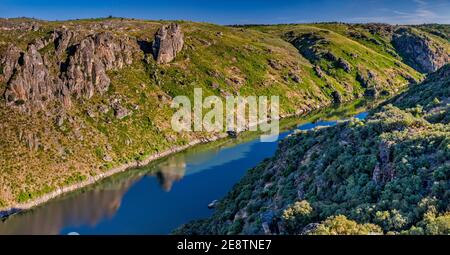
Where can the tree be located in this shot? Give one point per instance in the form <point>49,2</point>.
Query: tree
<point>297,215</point>
<point>340,225</point>
<point>390,220</point>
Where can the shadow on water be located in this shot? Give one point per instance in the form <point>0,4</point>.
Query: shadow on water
<point>157,198</point>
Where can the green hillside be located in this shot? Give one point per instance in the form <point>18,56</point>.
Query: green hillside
<point>387,174</point>
<point>46,145</point>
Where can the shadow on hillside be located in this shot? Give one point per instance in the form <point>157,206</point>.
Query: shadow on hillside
<point>145,46</point>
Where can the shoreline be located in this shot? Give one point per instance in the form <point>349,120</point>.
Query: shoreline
<point>11,210</point>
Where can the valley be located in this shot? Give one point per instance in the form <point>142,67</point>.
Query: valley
<point>84,99</point>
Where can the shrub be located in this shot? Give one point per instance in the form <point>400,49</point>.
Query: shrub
<point>297,215</point>
<point>340,225</point>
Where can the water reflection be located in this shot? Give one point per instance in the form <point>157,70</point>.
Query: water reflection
<point>177,166</point>
<point>170,171</point>
<point>90,206</point>
<point>150,200</point>
<point>77,209</point>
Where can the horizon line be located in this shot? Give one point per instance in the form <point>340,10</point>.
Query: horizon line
<point>231,24</point>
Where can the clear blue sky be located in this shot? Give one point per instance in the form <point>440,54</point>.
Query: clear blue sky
<point>238,12</point>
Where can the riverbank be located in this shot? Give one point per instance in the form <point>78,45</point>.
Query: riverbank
<point>8,211</point>
<point>326,111</point>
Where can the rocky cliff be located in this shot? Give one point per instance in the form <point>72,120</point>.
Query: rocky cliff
<point>77,65</point>
<point>85,70</point>
<point>30,78</point>
<point>419,50</point>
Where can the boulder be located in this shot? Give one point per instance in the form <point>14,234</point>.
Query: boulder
<point>319,71</point>
<point>213,204</point>
<point>274,64</point>
<point>311,227</point>
<point>337,97</point>
<point>120,112</point>
<point>344,64</point>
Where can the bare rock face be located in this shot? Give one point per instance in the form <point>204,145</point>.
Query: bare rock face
<point>86,71</point>
<point>31,80</point>
<point>9,61</point>
<point>29,25</point>
<point>81,73</point>
<point>62,40</point>
<point>168,42</point>
<point>419,51</point>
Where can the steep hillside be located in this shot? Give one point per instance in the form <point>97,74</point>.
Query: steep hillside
<point>386,174</point>
<point>81,97</point>
<point>344,60</point>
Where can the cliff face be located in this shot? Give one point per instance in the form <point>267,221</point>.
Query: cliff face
<point>419,50</point>
<point>81,63</point>
<point>92,58</point>
<point>31,78</point>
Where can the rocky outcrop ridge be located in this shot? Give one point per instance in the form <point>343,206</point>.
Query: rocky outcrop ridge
<point>419,51</point>
<point>78,65</point>
<point>29,77</point>
<point>168,42</point>
<point>86,70</point>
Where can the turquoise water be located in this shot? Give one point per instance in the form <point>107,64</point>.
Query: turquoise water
<point>153,200</point>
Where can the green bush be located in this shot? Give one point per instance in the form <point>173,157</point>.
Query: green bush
<point>297,215</point>
<point>340,225</point>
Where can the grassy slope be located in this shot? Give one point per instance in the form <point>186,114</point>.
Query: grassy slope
<point>362,55</point>
<point>440,30</point>
<point>76,150</point>
<point>309,181</point>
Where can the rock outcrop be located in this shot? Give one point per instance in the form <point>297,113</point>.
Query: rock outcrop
<point>383,171</point>
<point>86,68</point>
<point>80,69</point>
<point>419,51</point>
<point>62,39</point>
<point>31,80</point>
<point>168,42</point>
<point>8,61</point>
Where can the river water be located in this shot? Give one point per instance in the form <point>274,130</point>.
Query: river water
<point>154,199</point>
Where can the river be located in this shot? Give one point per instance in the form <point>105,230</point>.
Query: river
<point>154,199</point>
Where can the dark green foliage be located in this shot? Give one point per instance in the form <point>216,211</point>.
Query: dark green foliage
<point>390,172</point>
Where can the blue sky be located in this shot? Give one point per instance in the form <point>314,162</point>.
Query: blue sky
<point>238,12</point>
